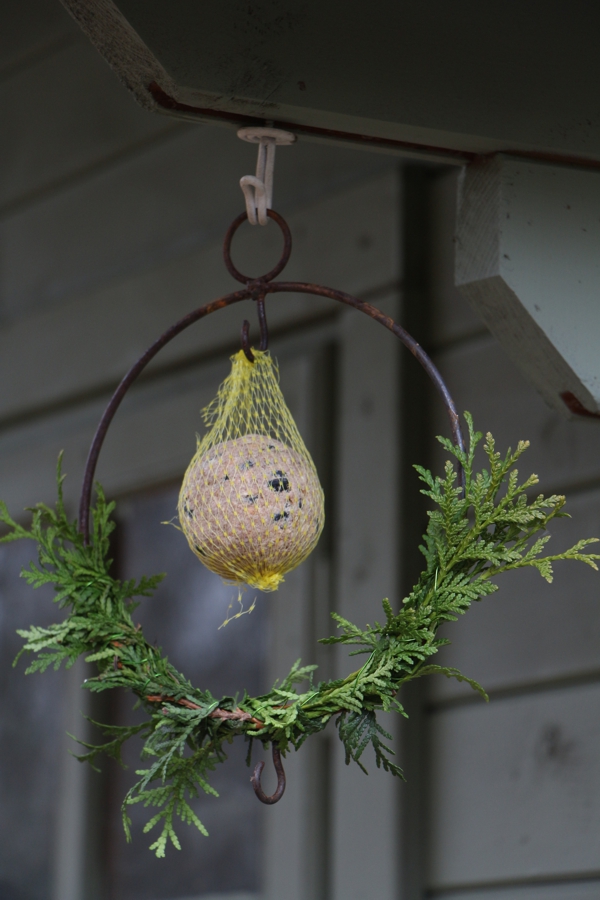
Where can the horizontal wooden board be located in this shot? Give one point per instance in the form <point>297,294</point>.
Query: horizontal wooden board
<point>348,240</point>
<point>530,631</point>
<point>151,440</point>
<point>172,199</point>
<point>30,28</point>
<point>514,789</point>
<point>567,890</point>
<point>62,114</point>
<point>230,896</point>
<point>483,380</point>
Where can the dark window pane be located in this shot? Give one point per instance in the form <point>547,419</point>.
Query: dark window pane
<point>32,725</point>
<point>183,617</point>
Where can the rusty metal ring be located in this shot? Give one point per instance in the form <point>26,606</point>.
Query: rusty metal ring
<point>283,261</point>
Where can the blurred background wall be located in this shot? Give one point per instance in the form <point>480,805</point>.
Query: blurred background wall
<point>111,221</point>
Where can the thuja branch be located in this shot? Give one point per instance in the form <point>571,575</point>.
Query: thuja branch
<point>471,538</point>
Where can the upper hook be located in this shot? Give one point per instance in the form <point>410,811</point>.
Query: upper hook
<point>258,189</point>
<point>262,321</point>
<point>255,779</point>
<point>246,341</point>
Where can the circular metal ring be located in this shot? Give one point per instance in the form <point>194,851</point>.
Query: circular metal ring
<point>283,261</point>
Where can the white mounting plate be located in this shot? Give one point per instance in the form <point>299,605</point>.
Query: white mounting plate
<point>253,135</point>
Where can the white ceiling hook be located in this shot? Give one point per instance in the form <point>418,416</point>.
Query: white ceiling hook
<point>258,189</point>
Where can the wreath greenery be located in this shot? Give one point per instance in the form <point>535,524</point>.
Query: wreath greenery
<point>470,539</point>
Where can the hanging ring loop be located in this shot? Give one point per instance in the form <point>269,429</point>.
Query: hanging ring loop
<point>283,260</point>
<point>255,779</point>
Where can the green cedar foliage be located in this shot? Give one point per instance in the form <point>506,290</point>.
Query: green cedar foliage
<point>471,538</point>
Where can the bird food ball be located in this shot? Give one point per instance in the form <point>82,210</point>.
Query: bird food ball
<point>252,509</point>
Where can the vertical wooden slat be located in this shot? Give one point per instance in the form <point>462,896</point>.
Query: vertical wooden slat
<point>417,396</point>
<point>286,822</point>
<point>70,835</point>
<point>365,808</point>
<point>513,785</point>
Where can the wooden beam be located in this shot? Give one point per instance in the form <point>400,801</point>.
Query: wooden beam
<point>528,260</point>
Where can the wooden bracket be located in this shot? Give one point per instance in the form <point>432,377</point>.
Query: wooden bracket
<point>528,261</point>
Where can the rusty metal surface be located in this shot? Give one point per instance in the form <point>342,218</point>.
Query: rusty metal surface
<point>410,149</point>
<point>255,286</point>
<point>576,406</point>
<point>407,148</point>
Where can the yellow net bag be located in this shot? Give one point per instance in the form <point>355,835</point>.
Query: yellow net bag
<point>251,505</point>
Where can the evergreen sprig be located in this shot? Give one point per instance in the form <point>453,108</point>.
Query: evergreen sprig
<point>472,536</point>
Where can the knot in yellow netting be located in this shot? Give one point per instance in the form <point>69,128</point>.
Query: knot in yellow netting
<point>251,505</point>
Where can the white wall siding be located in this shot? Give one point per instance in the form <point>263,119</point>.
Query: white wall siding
<point>512,792</point>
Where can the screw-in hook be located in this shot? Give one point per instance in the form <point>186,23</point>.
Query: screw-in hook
<point>258,189</point>
<point>246,341</point>
<point>255,779</point>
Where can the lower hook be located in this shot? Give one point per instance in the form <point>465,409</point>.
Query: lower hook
<point>255,779</point>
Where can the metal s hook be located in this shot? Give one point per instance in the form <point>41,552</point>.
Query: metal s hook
<point>255,779</point>
<point>264,330</point>
<point>246,341</point>
<point>258,189</point>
